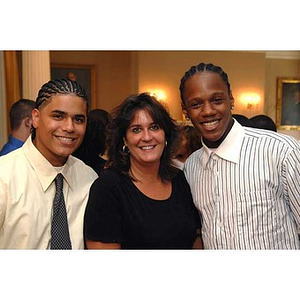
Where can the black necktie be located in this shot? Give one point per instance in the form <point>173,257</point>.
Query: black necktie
<point>60,237</point>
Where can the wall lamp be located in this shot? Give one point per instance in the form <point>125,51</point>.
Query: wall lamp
<point>158,94</point>
<point>250,99</point>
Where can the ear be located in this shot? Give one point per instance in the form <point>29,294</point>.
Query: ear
<point>124,141</point>
<point>27,122</point>
<point>184,111</point>
<point>231,99</point>
<point>35,118</point>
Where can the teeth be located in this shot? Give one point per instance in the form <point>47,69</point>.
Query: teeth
<point>210,124</point>
<point>147,147</point>
<point>65,138</point>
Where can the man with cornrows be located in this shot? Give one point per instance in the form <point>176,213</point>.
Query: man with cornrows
<point>43,188</point>
<point>245,181</point>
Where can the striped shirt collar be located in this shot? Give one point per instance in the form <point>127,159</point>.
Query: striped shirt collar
<point>229,149</point>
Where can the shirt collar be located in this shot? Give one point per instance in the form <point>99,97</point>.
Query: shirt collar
<point>230,148</point>
<point>46,173</point>
<point>14,141</point>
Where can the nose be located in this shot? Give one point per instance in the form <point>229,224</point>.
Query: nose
<point>68,125</point>
<point>146,135</point>
<point>207,108</point>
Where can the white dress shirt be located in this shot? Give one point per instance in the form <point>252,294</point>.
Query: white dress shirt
<point>248,190</point>
<point>27,191</point>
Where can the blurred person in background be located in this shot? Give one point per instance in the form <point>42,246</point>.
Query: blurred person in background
<point>20,123</point>
<point>243,120</point>
<point>93,147</point>
<point>263,122</point>
<point>190,141</point>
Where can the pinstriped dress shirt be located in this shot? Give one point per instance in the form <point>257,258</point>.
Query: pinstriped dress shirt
<point>248,190</point>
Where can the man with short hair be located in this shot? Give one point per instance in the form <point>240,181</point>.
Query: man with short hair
<point>20,123</point>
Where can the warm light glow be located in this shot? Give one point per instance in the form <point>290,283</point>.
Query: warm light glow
<point>250,99</point>
<point>159,94</point>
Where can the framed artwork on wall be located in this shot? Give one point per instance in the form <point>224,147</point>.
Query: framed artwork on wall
<point>85,75</point>
<point>288,103</point>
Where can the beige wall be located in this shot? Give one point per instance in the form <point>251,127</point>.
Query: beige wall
<point>164,69</point>
<point>121,73</point>
<point>114,74</point>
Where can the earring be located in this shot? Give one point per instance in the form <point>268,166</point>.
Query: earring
<point>125,150</point>
<point>166,144</point>
<point>232,107</point>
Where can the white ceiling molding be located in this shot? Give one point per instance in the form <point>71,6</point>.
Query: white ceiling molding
<point>283,54</point>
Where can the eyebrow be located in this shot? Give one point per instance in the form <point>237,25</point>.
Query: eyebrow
<point>57,111</point>
<point>220,93</point>
<point>134,125</point>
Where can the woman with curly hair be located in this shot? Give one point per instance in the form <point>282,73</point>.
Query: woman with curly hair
<point>141,201</point>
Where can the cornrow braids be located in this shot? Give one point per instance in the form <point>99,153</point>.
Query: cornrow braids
<point>202,67</point>
<point>58,86</point>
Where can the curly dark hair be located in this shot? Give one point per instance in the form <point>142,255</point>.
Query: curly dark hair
<point>94,142</point>
<point>193,137</point>
<point>122,116</point>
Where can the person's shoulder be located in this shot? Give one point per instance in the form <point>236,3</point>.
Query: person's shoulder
<point>81,167</point>
<point>180,182</point>
<point>5,149</point>
<point>272,136</point>
<point>110,178</point>
<point>11,145</point>
<point>11,165</point>
<point>11,157</point>
<point>179,178</point>
<point>194,156</point>
<point>179,175</point>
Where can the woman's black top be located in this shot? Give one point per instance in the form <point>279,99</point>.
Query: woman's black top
<point>118,212</point>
